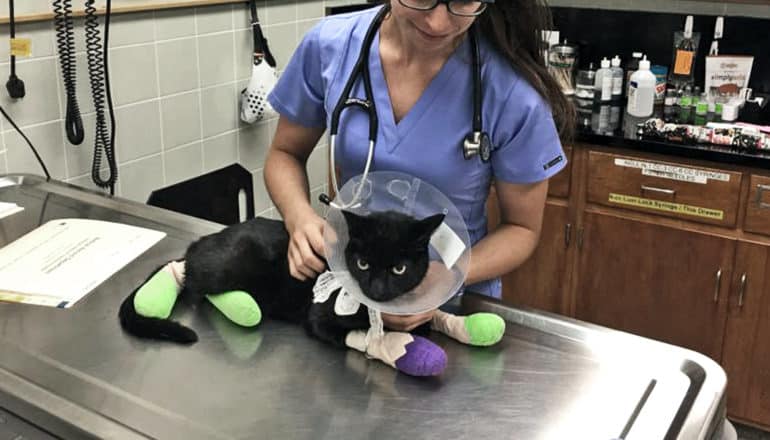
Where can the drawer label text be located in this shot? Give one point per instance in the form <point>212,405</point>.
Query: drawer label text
<point>677,208</point>
<point>671,172</point>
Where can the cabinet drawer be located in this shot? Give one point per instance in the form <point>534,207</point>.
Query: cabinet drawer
<point>758,206</point>
<point>558,186</point>
<point>670,189</point>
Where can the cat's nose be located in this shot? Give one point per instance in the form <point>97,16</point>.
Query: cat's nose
<point>379,291</point>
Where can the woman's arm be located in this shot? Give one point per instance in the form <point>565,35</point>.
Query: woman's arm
<point>514,240</point>
<point>287,183</point>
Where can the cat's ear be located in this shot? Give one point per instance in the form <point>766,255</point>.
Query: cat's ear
<point>355,222</point>
<point>425,227</point>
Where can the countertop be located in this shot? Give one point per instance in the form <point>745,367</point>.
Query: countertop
<point>610,125</point>
<point>74,373</point>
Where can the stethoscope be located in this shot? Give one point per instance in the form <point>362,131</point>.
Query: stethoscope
<point>476,143</point>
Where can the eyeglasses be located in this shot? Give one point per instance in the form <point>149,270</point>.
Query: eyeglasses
<point>463,8</point>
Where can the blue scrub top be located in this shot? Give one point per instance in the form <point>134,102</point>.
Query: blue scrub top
<point>427,142</point>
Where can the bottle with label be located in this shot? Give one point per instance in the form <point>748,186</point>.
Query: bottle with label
<point>685,100</point>
<point>669,105</point>
<point>603,82</point>
<point>702,107</point>
<point>685,48</point>
<point>685,105</point>
<point>641,93</point>
<point>617,79</point>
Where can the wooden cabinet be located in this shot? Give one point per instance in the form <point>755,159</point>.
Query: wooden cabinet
<point>672,249</point>
<point>758,206</point>
<point>699,194</point>
<point>541,281</point>
<point>746,353</point>
<point>655,281</point>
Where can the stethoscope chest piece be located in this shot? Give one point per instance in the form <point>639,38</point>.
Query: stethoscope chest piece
<point>477,143</point>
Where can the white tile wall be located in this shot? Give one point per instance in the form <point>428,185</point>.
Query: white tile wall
<point>176,76</point>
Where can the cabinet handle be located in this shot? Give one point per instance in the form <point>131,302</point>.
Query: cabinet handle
<point>760,203</point>
<point>742,290</point>
<point>580,238</point>
<point>668,192</point>
<point>567,234</point>
<point>716,286</point>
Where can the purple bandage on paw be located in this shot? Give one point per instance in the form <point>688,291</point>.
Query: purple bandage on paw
<point>422,358</point>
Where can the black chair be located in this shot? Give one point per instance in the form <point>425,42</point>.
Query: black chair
<point>212,196</point>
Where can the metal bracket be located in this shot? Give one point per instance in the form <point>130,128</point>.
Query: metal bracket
<point>760,190</point>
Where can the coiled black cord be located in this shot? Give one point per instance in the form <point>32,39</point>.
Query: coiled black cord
<point>65,40</point>
<point>98,56</point>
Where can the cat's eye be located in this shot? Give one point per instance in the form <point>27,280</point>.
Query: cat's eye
<point>362,264</point>
<point>398,270</point>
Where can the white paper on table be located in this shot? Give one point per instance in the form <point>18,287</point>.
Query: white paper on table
<point>7,209</point>
<point>60,262</point>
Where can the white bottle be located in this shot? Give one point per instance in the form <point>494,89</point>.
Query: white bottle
<point>603,82</point>
<point>617,79</point>
<point>641,91</point>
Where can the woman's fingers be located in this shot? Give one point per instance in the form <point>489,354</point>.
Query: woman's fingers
<point>305,262</point>
<point>316,240</point>
<point>309,259</point>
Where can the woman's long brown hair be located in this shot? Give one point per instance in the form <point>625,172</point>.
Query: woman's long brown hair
<point>514,28</point>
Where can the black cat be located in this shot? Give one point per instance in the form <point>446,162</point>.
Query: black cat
<point>387,254</point>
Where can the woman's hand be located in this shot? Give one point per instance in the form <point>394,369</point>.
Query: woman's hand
<point>306,246</point>
<point>406,323</point>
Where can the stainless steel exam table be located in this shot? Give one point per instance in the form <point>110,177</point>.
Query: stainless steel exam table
<point>73,373</point>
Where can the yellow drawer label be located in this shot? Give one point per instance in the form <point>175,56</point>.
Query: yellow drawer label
<point>677,208</point>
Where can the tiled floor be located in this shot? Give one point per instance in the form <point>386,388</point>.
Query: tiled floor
<point>746,433</point>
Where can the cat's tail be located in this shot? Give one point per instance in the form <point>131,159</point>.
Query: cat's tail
<point>153,328</point>
<point>159,283</point>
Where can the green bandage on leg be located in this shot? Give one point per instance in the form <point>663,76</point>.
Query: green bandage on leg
<point>156,298</point>
<point>484,329</point>
<point>238,306</point>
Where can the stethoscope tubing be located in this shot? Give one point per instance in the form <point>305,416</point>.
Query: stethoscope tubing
<point>361,67</point>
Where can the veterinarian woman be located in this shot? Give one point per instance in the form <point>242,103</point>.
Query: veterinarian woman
<point>420,68</point>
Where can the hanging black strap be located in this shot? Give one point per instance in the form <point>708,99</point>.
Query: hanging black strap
<point>261,49</point>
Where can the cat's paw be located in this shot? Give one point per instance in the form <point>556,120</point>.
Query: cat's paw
<point>238,306</point>
<point>422,358</point>
<point>484,329</point>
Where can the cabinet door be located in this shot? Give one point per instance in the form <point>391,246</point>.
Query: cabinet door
<point>655,281</point>
<point>541,281</point>
<point>746,354</point>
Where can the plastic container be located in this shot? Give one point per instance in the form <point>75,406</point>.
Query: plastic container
<point>730,111</point>
<point>562,60</point>
<point>702,107</point>
<point>603,82</point>
<point>641,93</point>
<point>617,79</point>
<point>584,83</point>
<point>661,75</point>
